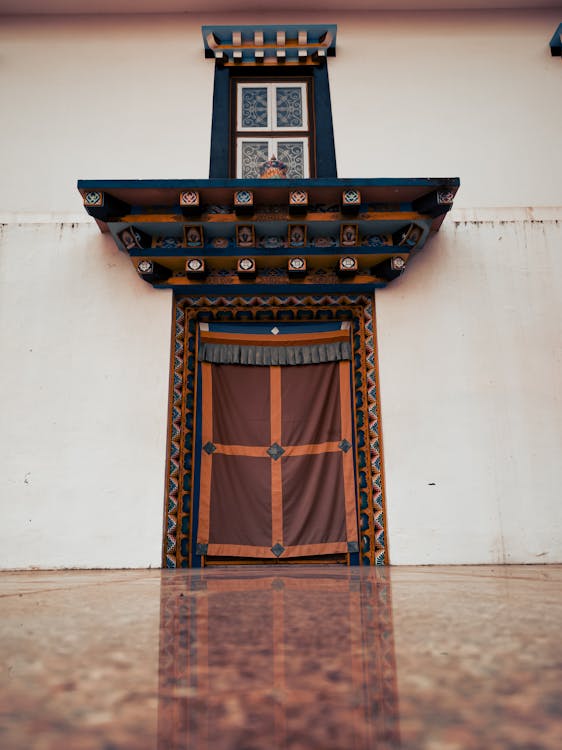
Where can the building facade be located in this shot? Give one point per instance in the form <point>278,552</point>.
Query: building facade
<point>468,337</point>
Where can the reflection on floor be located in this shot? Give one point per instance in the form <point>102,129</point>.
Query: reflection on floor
<point>306,658</point>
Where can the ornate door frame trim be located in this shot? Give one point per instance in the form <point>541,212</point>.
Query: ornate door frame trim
<point>188,311</point>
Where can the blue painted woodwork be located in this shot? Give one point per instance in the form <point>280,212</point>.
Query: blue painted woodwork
<point>395,217</point>
<point>284,327</point>
<point>556,43</point>
<point>324,162</point>
<point>220,128</point>
<point>341,183</point>
<point>324,131</point>
<point>220,38</point>
<point>325,153</point>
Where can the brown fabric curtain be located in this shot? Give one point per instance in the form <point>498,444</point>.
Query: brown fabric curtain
<point>277,473</point>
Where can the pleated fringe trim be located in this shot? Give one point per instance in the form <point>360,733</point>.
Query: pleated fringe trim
<point>304,354</point>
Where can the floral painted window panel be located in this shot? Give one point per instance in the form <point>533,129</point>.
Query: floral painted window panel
<point>289,107</point>
<point>254,106</point>
<point>293,154</point>
<point>272,106</point>
<point>252,153</point>
<point>251,156</point>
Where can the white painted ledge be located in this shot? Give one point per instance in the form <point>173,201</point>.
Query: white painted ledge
<point>505,213</point>
<point>17,217</point>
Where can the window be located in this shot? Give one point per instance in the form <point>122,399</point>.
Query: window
<point>272,106</point>
<point>272,120</point>
<point>313,137</point>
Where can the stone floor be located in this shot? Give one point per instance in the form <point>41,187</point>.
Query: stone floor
<point>260,658</point>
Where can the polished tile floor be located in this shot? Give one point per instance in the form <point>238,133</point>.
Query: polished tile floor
<point>268,658</point>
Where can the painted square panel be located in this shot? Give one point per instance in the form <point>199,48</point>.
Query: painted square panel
<point>289,107</point>
<point>292,153</point>
<point>254,107</point>
<point>252,154</point>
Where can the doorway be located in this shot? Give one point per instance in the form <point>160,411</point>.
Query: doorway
<point>344,524</point>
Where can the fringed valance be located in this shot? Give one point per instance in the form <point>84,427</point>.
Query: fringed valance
<point>267,350</point>
<point>233,354</point>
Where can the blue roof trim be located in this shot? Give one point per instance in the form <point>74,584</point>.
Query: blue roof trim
<point>241,326</point>
<point>195,184</point>
<point>556,43</point>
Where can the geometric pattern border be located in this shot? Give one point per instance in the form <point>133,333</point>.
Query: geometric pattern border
<point>188,312</point>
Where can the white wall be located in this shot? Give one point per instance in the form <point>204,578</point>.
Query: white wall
<point>469,337</point>
<point>100,98</point>
<point>85,346</point>
<point>473,95</point>
<point>470,351</point>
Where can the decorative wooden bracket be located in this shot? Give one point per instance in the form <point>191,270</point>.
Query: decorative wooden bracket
<point>325,235</point>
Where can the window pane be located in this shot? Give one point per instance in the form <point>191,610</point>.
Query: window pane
<point>252,155</point>
<point>289,107</point>
<point>254,107</point>
<point>292,153</point>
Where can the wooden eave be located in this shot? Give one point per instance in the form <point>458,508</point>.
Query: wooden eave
<point>391,218</point>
